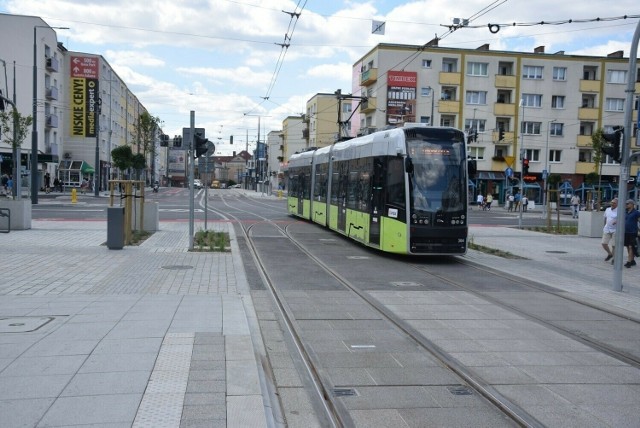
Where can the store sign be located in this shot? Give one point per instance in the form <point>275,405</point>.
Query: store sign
<point>84,95</point>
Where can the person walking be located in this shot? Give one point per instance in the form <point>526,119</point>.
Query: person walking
<point>631,231</point>
<point>610,217</point>
<point>525,203</point>
<point>510,201</point>
<point>575,206</point>
<point>480,201</point>
<point>488,201</point>
<point>47,182</point>
<point>516,200</point>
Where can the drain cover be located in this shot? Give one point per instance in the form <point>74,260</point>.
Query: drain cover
<point>556,252</point>
<point>460,390</point>
<point>177,267</point>
<point>23,324</point>
<point>344,392</point>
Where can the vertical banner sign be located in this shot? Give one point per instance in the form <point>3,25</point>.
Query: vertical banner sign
<point>84,95</point>
<point>401,97</point>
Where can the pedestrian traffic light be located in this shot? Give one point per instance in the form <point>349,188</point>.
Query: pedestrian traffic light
<point>177,141</point>
<point>500,134</point>
<point>200,145</point>
<point>525,166</point>
<point>614,139</point>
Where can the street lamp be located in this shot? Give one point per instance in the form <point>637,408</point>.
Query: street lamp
<point>547,172</point>
<point>34,131</point>
<point>433,96</point>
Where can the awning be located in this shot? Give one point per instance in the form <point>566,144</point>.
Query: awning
<point>490,175</point>
<point>86,168</point>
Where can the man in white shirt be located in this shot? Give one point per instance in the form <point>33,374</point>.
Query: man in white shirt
<point>610,217</point>
<point>575,206</point>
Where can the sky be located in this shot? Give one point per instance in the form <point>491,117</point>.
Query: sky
<point>237,62</point>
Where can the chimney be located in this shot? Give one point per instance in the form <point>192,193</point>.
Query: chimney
<point>432,42</point>
<point>616,54</point>
<point>484,47</point>
<point>539,49</point>
<point>234,154</point>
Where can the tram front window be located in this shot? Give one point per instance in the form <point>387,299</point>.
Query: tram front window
<point>438,179</point>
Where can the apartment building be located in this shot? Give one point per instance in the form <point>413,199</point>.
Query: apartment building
<point>325,113</point>
<point>539,106</point>
<point>76,98</point>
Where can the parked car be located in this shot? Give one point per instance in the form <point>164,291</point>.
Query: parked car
<point>197,184</point>
<point>236,186</point>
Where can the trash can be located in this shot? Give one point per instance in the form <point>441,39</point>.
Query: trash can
<point>115,228</point>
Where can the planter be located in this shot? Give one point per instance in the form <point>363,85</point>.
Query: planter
<point>151,217</point>
<point>590,223</point>
<point>20,213</point>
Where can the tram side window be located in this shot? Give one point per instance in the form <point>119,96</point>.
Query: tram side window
<point>335,184</point>
<point>305,183</point>
<point>293,184</point>
<point>320,191</point>
<point>352,193</point>
<point>365,184</point>
<point>395,182</point>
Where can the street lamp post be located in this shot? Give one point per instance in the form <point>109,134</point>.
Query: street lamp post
<point>546,174</point>
<point>433,96</point>
<point>34,131</point>
<point>522,155</point>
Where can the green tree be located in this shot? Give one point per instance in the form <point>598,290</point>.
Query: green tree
<point>7,119</point>
<point>139,163</point>
<point>597,141</point>
<point>146,129</point>
<point>122,158</point>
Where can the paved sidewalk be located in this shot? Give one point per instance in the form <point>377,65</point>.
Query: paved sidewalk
<point>146,336</point>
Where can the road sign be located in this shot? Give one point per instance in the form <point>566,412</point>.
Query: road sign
<point>508,172</point>
<point>544,174</point>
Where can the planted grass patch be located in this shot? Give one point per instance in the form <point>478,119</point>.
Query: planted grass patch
<point>209,240</point>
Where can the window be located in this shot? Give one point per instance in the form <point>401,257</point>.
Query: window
<point>532,128</point>
<point>555,155</point>
<point>426,63</point>
<point>477,69</point>
<point>425,119</point>
<point>556,129</point>
<point>557,101</point>
<point>616,76</point>
<point>532,154</point>
<point>475,124</point>
<point>532,72</point>
<point>532,100</point>
<point>560,73</point>
<point>449,65</point>
<point>614,104</point>
<point>425,92</point>
<point>346,108</point>
<point>476,97</point>
<point>476,152</point>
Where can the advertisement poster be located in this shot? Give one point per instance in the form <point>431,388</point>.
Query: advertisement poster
<point>401,97</point>
<point>84,95</point>
<point>177,162</point>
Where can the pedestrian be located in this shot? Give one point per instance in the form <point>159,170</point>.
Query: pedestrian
<point>609,229</point>
<point>480,201</point>
<point>56,185</point>
<point>575,206</point>
<point>3,181</point>
<point>9,190</point>
<point>631,231</point>
<point>47,182</point>
<point>488,201</point>
<point>510,202</point>
<point>525,203</point>
<point>516,201</point>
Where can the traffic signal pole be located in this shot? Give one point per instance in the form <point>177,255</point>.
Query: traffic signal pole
<point>191,160</point>
<point>625,164</point>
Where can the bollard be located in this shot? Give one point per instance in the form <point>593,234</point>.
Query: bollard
<point>74,196</point>
<point>279,194</point>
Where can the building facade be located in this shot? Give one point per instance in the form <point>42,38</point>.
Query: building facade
<point>535,106</point>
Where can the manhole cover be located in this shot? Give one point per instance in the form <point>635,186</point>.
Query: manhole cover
<point>556,252</point>
<point>23,324</point>
<point>460,390</point>
<point>177,267</point>
<point>344,392</point>
<point>406,284</point>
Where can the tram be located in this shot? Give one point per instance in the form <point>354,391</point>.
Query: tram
<point>402,190</point>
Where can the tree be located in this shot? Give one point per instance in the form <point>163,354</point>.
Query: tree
<point>7,119</point>
<point>139,163</point>
<point>146,129</point>
<point>597,141</point>
<point>122,157</point>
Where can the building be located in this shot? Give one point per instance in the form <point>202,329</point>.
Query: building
<point>536,106</point>
<point>293,136</point>
<point>323,114</point>
<point>78,102</point>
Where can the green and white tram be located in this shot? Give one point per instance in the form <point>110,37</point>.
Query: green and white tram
<point>402,190</point>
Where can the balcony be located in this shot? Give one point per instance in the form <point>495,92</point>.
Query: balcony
<point>52,121</point>
<point>369,105</point>
<point>589,86</point>
<point>584,141</point>
<point>53,64</point>
<point>508,137</point>
<point>503,81</point>
<point>445,106</point>
<point>447,78</point>
<point>585,113</point>
<point>585,167</point>
<point>504,109</point>
<point>52,93</point>
<point>369,77</point>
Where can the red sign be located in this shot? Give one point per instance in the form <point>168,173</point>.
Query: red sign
<point>406,79</point>
<point>84,66</point>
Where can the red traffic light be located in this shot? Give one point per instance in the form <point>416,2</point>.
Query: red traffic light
<point>525,162</point>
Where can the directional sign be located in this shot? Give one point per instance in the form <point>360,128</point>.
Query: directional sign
<point>508,172</point>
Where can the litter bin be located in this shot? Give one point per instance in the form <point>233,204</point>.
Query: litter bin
<point>115,228</point>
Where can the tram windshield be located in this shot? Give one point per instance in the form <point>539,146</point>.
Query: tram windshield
<point>438,179</point>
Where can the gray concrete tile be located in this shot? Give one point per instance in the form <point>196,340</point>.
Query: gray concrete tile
<point>23,412</point>
<point>242,377</point>
<point>239,347</point>
<point>206,386</point>
<point>393,397</point>
<point>26,387</point>
<point>92,410</point>
<point>208,411</point>
<point>245,411</point>
<point>199,399</point>
<point>139,361</point>
<point>455,417</point>
<point>130,382</point>
<point>381,418</point>
<point>55,348</point>
<point>50,365</point>
<point>129,346</point>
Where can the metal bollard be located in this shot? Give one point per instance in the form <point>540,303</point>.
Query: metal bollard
<point>74,196</point>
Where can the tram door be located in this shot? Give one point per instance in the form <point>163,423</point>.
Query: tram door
<point>377,200</point>
<point>302,186</point>
<point>342,197</point>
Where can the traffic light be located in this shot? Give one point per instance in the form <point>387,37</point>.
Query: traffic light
<point>164,140</point>
<point>525,166</point>
<point>177,141</point>
<point>472,167</point>
<point>1,101</point>
<point>200,145</point>
<point>231,139</point>
<point>500,134</point>
<point>615,142</point>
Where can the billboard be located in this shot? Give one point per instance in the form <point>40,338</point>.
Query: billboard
<point>84,95</point>
<point>401,97</point>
